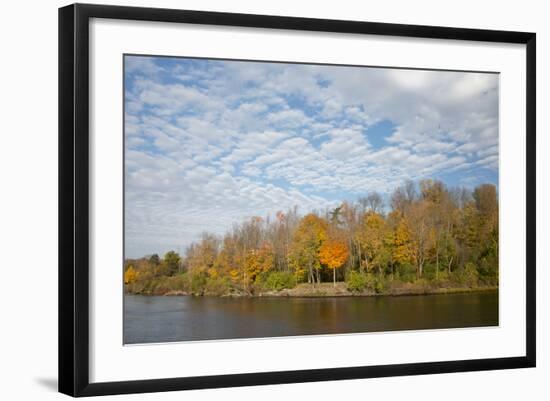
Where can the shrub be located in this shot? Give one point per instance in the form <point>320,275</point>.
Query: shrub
<point>406,273</point>
<point>442,275</point>
<point>378,284</point>
<point>358,282</point>
<point>217,286</point>
<point>163,285</point>
<point>488,270</point>
<point>197,282</point>
<point>467,276</point>
<point>277,281</point>
<point>422,282</point>
<point>178,282</point>
<point>443,280</point>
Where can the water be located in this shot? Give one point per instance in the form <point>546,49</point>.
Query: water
<point>182,318</point>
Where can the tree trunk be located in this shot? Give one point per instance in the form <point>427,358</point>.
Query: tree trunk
<point>437,261</point>
<point>334,276</point>
<point>420,267</point>
<point>359,253</point>
<point>351,258</point>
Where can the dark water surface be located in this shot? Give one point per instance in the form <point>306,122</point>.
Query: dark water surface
<point>181,318</point>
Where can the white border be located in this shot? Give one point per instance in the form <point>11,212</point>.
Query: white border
<point>110,361</point>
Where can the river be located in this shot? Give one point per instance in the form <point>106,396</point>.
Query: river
<point>157,319</point>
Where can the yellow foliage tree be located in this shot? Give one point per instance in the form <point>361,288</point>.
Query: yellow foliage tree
<point>308,238</point>
<point>419,222</point>
<point>130,275</point>
<point>371,235</point>
<point>228,260</point>
<point>333,254</point>
<point>402,243</point>
<point>257,261</point>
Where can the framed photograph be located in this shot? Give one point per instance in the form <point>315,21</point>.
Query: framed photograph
<point>251,199</point>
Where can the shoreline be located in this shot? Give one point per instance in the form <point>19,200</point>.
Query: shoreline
<point>440,291</point>
<point>329,291</point>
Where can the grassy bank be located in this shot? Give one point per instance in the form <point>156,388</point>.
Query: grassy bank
<point>341,290</point>
<point>284,286</point>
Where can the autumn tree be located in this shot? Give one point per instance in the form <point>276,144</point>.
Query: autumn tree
<point>485,198</point>
<point>467,233</point>
<point>421,234</point>
<point>130,275</point>
<point>280,236</point>
<point>228,260</point>
<point>201,256</point>
<point>308,238</point>
<point>373,202</point>
<point>434,193</point>
<point>256,262</point>
<point>402,245</point>
<point>333,253</point>
<point>347,228</point>
<point>403,197</point>
<point>371,236</point>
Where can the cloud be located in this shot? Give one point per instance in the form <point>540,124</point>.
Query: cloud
<point>141,65</point>
<point>209,143</point>
<point>345,144</point>
<point>288,118</point>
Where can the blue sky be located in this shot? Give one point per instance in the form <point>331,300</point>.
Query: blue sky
<point>209,143</point>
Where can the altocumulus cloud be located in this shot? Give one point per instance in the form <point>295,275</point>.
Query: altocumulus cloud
<point>210,142</point>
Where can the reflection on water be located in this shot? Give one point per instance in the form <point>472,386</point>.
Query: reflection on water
<point>162,319</point>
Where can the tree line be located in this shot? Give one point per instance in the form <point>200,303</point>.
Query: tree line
<point>426,233</point>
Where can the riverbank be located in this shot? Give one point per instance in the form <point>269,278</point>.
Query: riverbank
<point>340,290</point>
<point>305,290</point>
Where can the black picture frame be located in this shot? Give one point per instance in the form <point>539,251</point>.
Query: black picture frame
<point>74,198</point>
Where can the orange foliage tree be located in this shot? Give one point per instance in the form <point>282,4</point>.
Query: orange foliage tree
<point>257,261</point>
<point>333,254</point>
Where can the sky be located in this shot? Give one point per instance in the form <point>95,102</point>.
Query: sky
<point>210,143</point>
